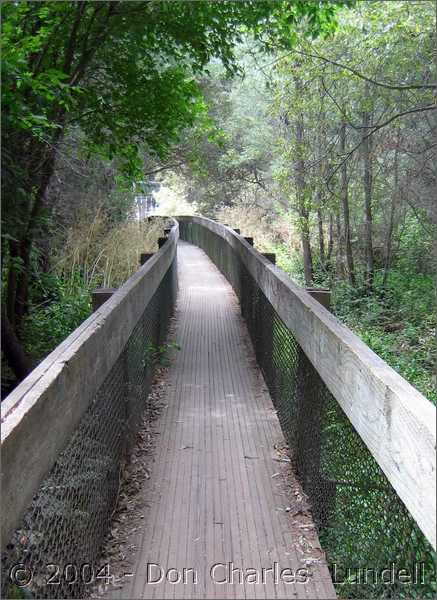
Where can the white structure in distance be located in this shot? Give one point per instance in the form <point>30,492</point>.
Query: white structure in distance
<point>144,198</point>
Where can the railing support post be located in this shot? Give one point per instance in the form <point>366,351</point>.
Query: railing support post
<point>100,296</point>
<point>144,257</point>
<point>271,256</point>
<point>322,295</point>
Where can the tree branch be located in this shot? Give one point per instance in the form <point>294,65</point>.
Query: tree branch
<point>413,86</point>
<point>375,129</point>
<point>88,53</point>
<point>69,51</point>
<point>164,168</point>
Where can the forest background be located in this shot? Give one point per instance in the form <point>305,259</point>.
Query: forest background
<point>311,126</point>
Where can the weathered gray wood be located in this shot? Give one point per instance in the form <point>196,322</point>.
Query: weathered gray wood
<point>40,415</point>
<point>211,497</point>
<point>396,422</point>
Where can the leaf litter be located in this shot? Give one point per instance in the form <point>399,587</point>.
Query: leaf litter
<point>121,544</point>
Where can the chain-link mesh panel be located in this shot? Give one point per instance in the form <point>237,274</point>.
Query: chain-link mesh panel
<point>373,545</point>
<point>57,546</point>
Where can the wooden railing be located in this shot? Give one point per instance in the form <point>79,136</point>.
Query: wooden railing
<point>395,421</point>
<point>42,413</point>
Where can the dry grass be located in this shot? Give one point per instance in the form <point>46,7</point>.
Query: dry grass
<point>256,222</point>
<point>104,254</point>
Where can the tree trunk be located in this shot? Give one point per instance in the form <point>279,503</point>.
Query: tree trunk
<point>321,141</point>
<point>307,255</point>
<point>368,219</point>
<point>321,234</point>
<point>11,290</point>
<point>330,239</point>
<point>12,349</point>
<point>389,235</point>
<point>345,205</point>
<point>19,293</point>
<point>340,267</point>
<point>300,193</point>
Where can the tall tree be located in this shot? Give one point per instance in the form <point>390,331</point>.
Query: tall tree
<point>394,201</point>
<point>299,175</point>
<point>367,143</point>
<point>344,192</point>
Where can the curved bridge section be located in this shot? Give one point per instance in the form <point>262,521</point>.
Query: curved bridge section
<point>362,438</point>
<point>222,520</point>
<point>260,364</point>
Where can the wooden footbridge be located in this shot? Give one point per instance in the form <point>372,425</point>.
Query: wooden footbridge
<point>289,460</point>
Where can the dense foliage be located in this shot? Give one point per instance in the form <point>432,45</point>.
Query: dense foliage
<point>119,78</point>
<point>333,142</point>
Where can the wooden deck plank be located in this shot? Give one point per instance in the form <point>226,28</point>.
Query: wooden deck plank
<point>211,498</point>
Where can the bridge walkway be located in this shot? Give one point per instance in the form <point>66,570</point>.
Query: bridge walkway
<point>217,492</point>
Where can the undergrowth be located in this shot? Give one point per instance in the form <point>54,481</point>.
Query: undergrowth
<point>397,321</point>
<point>91,254</point>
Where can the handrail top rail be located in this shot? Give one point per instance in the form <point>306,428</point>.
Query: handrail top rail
<point>396,422</point>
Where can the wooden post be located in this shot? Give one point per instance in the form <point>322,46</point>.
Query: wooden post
<point>322,295</point>
<point>144,257</point>
<point>249,240</point>
<point>271,256</point>
<point>161,241</point>
<point>100,296</point>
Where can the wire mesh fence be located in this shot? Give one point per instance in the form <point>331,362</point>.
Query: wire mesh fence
<point>373,545</point>
<point>56,550</point>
